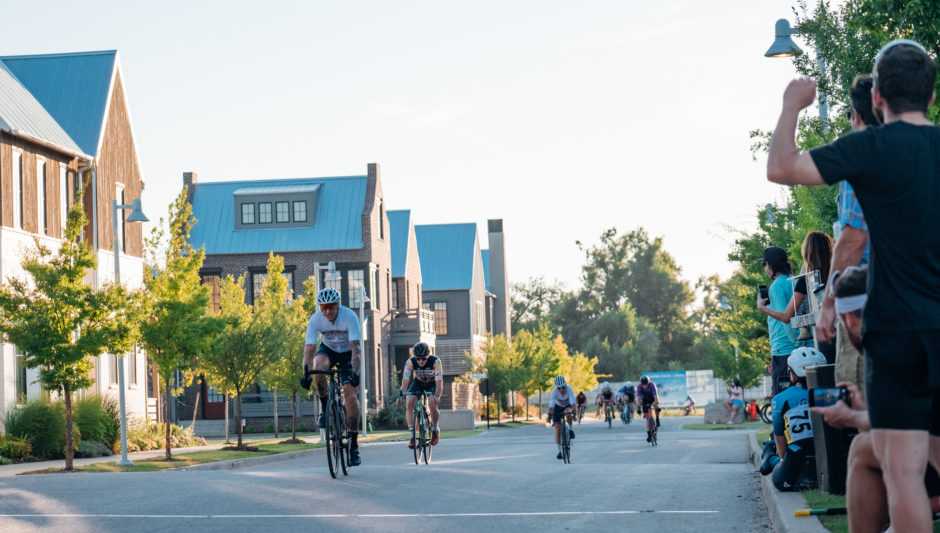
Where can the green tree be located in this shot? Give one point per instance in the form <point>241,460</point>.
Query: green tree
<point>237,358</point>
<point>497,364</point>
<point>59,322</point>
<point>175,328</point>
<point>540,358</point>
<point>532,303</point>
<point>578,368</point>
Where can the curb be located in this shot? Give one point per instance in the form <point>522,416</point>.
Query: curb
<point>248,461</point>
<point>782,505</point>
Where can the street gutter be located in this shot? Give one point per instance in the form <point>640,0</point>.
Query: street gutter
<point>781,506</point>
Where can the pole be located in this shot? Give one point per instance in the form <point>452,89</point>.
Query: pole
<point>364,368</point>
<point>487,403</point>
<point>117,210</point>
<point>823,98</point>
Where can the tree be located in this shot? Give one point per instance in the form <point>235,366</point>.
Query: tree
<point>532,303</point>
<point>284,331</point>
<point>58,322</point>
<point>175,328</point>
<point>237,357</point>
<point>498,360</point>
<point>577,367</point>
<point>540,358</point>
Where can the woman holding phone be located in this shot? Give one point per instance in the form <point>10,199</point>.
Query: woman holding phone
<point>777,298</point>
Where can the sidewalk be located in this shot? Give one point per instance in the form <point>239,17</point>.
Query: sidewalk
<point>214,444</point>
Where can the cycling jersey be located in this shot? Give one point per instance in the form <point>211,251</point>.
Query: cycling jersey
<point>646,393</point>
<point>561,399</point>
<point>337,335</point>
<point>607,396</point>
<point>582,399</point>
<point>791,416</point>
<point>429,373</point>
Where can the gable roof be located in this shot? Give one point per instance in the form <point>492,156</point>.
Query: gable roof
<point>399,223</point>
<point>485,255</point>
<point>337,217</point>
<point>21,114</point>
<point>447,253</point>
<point>73,88</point>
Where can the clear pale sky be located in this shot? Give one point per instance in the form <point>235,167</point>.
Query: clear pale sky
<point>563,118</point>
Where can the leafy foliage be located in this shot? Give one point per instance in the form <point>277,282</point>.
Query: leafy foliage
<point>42,424</point>
<point>16,449</point>
<point>98,419</point>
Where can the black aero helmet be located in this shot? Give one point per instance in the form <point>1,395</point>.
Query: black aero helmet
<point>421,349</point>
<point>645,380</point>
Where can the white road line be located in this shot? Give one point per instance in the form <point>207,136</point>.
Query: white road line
<point>364,516</point>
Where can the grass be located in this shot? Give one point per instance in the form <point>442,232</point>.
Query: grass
<point>720,427</point>
<point>763,436</point>
<point>839,523</point>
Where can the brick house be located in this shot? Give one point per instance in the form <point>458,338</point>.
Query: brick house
<point>310,222</point>
<point>65,127</point>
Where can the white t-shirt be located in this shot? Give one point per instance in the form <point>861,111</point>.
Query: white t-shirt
<point>567,400</point>
<point>337,335</point>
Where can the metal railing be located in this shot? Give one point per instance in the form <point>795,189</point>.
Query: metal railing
<point>413,321</point>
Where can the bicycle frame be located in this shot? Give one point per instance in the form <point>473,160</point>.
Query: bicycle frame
<point>337,433</point>
<point>421,428</point>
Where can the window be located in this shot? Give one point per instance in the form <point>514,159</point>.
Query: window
<point>63,199</point>
<point>215,296</point>
<point>356,285</point>
<point>17,189</point>
<point>248,213</point>
<point>40,196</point>
<point>257,282</point>
<point>282,210</point>
<point>440,316</point>
<point>481,318</point>
<point>395,303</point>
<point>214,396</point>
<point>114,369</point>
<point>21,381</point>
<point>300,211</point>
<point>131,364</point>
<point>382,219</point>
<point>289,276</point>
<point>264,213</point>
<point>119,197</point>
<point>377,291</point>
<point>333,280</point>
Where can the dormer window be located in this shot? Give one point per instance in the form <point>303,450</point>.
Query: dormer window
<point>248,213</point>
<point>282,212</point>
<point>284,206</point>
<point>264,213</point>
<point>300,211</point>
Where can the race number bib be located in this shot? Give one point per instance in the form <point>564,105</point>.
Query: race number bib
<point>337,340</point>
<point>797,425</point>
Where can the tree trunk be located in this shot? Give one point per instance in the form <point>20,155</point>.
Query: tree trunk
<point>540,404</point>
<point>526,406</point>
<point>512,404</point>
<point>166,421</point>
<point>196,408</point>
<point>69,447</point>
<point>293,415</point>
<point>226,419</point>
<point>238,416</point>
<point>275,413</point>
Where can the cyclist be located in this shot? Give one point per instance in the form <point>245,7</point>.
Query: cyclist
<point>582,405</point>
<point>561,403</point>
<point>423,373</point>
<point>648,399</point>
<point>627,396</point>
<point>337,329</point>
<point>793,429</point>
<point>605,398</point>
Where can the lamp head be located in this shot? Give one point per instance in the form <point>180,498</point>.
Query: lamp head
<point>783,45</point>
<point>137,214</point>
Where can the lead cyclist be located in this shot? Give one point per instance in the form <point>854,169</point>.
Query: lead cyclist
<point>336,328</point>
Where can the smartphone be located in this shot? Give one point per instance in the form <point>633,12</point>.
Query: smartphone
<point>827,396</point>
<point>764,294</point>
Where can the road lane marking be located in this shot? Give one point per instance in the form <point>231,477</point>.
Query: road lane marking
<point>364,516</point>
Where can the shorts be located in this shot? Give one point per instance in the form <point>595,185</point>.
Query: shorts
<point>739,404</point>
<point>557,413</point>
<point>902,379</point>
<point>794,467</point>
<point>343,363</point>
<point>779,373</point>
<point>417,387</point>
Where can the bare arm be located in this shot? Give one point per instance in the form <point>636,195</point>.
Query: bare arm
<point>781,443</point>
<point>847,252</point>
<point>786,165</point>
<point>406,376</point>
<point>356,360</point>
<point>785,315</point>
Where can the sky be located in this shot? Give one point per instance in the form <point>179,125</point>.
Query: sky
<point>562,118</point>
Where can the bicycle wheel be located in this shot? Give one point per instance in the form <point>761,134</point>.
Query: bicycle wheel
<point>610,418</point>
<point>342,439</point>
<point>426,439</point>
<point>415,433</point>
<point>565,443</point>
<point>766,413</point>
<point>331,441</point>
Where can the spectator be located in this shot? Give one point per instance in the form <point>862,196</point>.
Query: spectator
<point>817,255</point>
<point>894,170</point>
<point>735,401</point>
<point>851,249</point>
<point>865,495</point>
<point>780,292</point>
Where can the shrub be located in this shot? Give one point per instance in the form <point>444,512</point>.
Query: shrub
<point>143,436</point>
<point>5,461</point>
<point>43,425</point>
<point>15,449</point>
<point>392,416</point>
<point>91,448</point>
<point>98,420</point>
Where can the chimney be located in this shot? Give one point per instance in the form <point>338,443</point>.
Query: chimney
<point>499,278</point>
<point>189,179</point>
<point>373,171</point>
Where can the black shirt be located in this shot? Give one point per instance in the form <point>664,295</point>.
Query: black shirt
<point>895,171</point>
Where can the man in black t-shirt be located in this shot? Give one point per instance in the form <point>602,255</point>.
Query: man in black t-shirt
<point>895,171</point>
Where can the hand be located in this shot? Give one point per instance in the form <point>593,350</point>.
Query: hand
<point>761,304</point>
<point>826,322</point>
<point>856,398</point>
<point>843,416</point>
<point>799,94</point>
<point>355,362</point>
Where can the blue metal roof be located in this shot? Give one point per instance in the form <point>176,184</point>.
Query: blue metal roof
<point>447,255</point>
<point>399,223</point>
<point>72,87</point>
<point>485,255</point>
<point>22,114</point>
<point>337,220</point>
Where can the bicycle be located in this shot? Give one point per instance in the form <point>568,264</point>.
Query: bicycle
<point>566,437</point>
<point>626,414</point>
<point>609,415</point>
<point>337,434</point>
<point>421,430</point>
<point>767,412</point>
<point>581,409</point>
<point>650,425</point>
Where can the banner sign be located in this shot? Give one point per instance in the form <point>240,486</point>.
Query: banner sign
<point>671,387</point>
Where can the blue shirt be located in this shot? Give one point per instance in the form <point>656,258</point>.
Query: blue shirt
<point>851,215</point>
<point>781,334</point>
<point>791,416</point>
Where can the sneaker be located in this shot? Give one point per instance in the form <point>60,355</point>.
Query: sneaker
<point>321,422</point>
<point>768,464</point>
<point>649,436</point>
<point>354,459</point>
<point>435,437</point>
<point>571,434</point>
<point>559,457</point>
<point>411,444</point>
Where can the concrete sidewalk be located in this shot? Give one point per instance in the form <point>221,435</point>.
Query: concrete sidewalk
<point>20,468</point>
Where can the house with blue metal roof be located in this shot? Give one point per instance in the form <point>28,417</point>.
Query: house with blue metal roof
<point>65,127</point>
<point>411,323</point>
<point>333,229</point>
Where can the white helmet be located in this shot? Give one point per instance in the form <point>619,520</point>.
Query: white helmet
<point>328,295</point>
<point>803,358</point>
<point>605,386</point>
<point>628,384</point>
<point>560,381</point>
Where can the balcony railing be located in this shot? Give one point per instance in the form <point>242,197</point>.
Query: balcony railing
<point>413,321</point>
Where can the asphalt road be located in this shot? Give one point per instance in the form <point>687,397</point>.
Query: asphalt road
<point>503,480</point>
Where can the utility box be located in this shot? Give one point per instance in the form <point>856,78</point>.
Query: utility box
<point>832,444</point>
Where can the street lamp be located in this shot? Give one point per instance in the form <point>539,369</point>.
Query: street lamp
<point>137,215</point>
<point>363,365</point>
<point>783,46</point>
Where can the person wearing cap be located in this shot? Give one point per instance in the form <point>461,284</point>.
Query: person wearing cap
<point>894,170</point>
<point>782,342</point>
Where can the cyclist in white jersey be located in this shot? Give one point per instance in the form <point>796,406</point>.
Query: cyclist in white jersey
<point>336,329</point>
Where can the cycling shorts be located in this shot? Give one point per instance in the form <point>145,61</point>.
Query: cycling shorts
<point>416,387</point>
<point>343,363</point>
<point>557,413</point>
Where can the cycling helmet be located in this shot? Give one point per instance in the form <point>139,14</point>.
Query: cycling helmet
<point>421,349</point>
<point>605,386</point>
<point>628,384</point>
<point>327,296</point>
<point>645,380</point>
<point>803,358</point>
<point>560,381</point>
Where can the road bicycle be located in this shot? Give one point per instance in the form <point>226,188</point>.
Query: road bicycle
<point>566,424</point>
<point>581,409</point>
<point>338,445</point>
<point>651,425</point>
<point>626,414</point>
<point>421,430</point>
<point>767,411</point>
<point>609,415</point>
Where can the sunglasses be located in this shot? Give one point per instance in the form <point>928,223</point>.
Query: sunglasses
<point>421,357</point>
